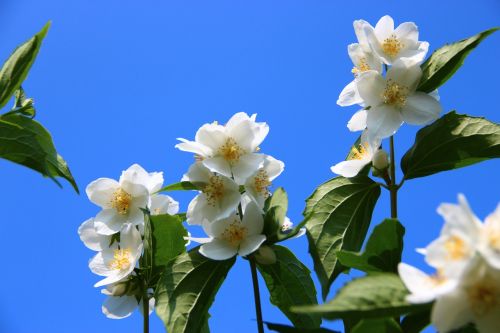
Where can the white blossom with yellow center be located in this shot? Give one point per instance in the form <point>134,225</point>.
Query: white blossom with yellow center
<point>393,100</point>
<point>232,235</point>
<point>219,195</point>
<point>257,185</point>
<point>361,155</point>
<point>391,44</point>
<point>230,149</point>
<point>117,261</point>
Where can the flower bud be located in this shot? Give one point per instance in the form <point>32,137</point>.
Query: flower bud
<point>265,255</point>
<point>380,160</point>
<point>118,289</point>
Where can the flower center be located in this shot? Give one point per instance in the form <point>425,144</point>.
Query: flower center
<point>234,233</point>
<point>361,67</point>
<point>391,46</point>
<point>456,248</point>
<point>359,152</point>
<point>214,190</point>
<point>231,151</point>
<point>494,239</point>
<point>262,183</point>
<point>121,201</point>
<point>482,297</point>
<point>395,94</point>
<point>121,259</point>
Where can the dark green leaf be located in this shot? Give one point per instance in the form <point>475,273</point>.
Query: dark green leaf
<point>180,186</point>
<point>275,209</point>
<point>379,325</point>
<point>16,68</point>
<point>415,322</point>
<point>338,215</point>
<point>289,283</point>
<point>373,296</point>
<point>187,289</point>
<point>466,329</point>
<point>290,329</point>
<point>382,252</point>
<point>444,62</point>
<point>453,141</point>
<point>26,142</point>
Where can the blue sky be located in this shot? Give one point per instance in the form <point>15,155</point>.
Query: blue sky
<point>117,81</point>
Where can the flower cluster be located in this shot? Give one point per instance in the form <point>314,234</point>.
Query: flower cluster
<point>466,285</point>
<point>233,179</point>
<point>116,234</point>
<point>387,101</point>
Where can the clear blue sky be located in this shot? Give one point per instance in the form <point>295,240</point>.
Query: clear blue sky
<point>118,80</point>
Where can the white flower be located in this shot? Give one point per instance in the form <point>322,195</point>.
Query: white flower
<point>121,202</point>
<point>151,180</point>
<point>358,121</point>
<point>121,306</point>
<point>231,149</point>
<point>489,245</point>
<point>231,236</point>
<point>257,185</point>
<point>394,99</point>
<point>119,260</point>
<point>91,238</point>
<point>163,204</point>
<point>391,44</point>
<point>363,60</point>
<point>424,288</point>
<point>362,156</point>
<point>218,198</point>
<point>476,299</point>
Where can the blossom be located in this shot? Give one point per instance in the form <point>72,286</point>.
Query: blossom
<point>163,204</point>
<point>121,201</point>
<point>361,156</point>
<point>391,44</point>
<point>218,198</point>
<point>257,185</point>
<point>91,238</point>
<point>117,261</point>
<point>394,99</point>
<point>489,245</point>
<point>233,235</point>
<point>230,150</point>
<point>119,304</point>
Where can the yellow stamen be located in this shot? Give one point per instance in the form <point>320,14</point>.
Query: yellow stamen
<point>231,151</point>
<point>262,183</point>
<point>234,233</point>
<point>214,190</point>
<point>121,259</point>
<point>359,152</point>
<point>456,248</point>
<point>121,201</point>
<point>391,46</point>
<point>361,67</point>
<point>395,94</point>
<point>494,239</point>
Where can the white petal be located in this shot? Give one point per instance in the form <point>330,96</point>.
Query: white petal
<point>91,238</point>
<point>246,166</point>
<point>350,168</point>
<point>236,119</point>
<point>253,219</point>
<point>119,307</point>
<point>139,192</point>
<point>349,95</point>
<point>101,190</point>
<point>218,164</point>
<point>460,217</point>
<point>109,222</point>
<point>451,311</point>
<point>244,133</point>
<point>273,167</point>
<point>420,109</point>
<point>218,250</point>
<point>98,264</point>
<point>155,181</point>
<point>130,238</point>
<point>384,27</point>
<point>200,240</point>
<point>415,55</point>
<point>196,210</point>
<point>163,204</point>
<point>250,244</point>
<point>135,174</point>
<point>193,147</point>
<point>383,121</point>
<point>357,121</point>
<point>198,173</point>
<point>361,35</point>
<point>371,86</point>
<point>406,73</point>
<point>211,136</point>
<point>114,277</point>
<point>407,33</point>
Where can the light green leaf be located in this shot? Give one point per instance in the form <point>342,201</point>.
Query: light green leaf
<point>417,321</point>
<point>338,215</point>
<point>453,141</point>
<point>180,186</point>
<point>379,325</point>
<point>290,329</point>
<point>373,296</point>
<point>17,66</point>
<point>289,283</point>
<point>382,252</point>
<point>26,142</point>
<point>444,62</point>
<point>187,289</point>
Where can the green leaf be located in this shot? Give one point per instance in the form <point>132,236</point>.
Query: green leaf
<point>168,239</point>
<point>382,252</point>
<point>146,260</point>
<point>27,142</point>
<point>187,289</point>
<point>373,296</point>
<point>379,325</point>
<point>290,329</point>
<point>17,66</point>
<point>289,283</point>
<point>444,62</point>
<point>275,209</point>
<point>466,329</point>
<point>180,186</point>
<point>338,215</point>
<point>453,141</point>
<point>417,321</point>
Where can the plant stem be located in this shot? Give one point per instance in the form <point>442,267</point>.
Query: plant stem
<point>145,309</point>
<point>393,187</point>
<point>256,294</point>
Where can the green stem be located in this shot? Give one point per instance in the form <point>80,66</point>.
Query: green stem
<point>145,309</point>
<point>256,294</point>
<point>393,187</point>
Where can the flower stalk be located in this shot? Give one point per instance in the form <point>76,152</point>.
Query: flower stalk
<point>256,294</point>
<point>393,187</point>
<point>145,309</point>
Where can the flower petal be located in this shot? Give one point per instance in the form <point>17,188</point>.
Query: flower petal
<point>108,222</point>
<point>163,204</point>
<point>101,190</point>
<point>350,168</point>
<point>246,166</point>
<point>91,238</point>
<point>383,121</point>
<point>193,147</point>
<point>420,109</point>
<point>218,250</point>
<point>357,121</point>
<point>119,307</point>
<point>406,73</point>
<point>384,27</point>
<point>451,311</point>
<point>371,86</point>
<point>349,95</point>
<point>211,136</point>
<point>218,164</point>
<point>407,33</point>
<point>250,244</point>
<point>253,219</point>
